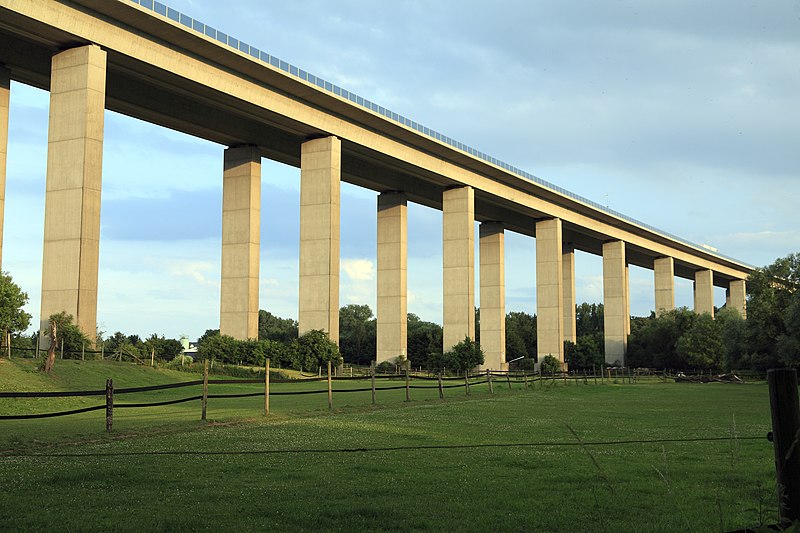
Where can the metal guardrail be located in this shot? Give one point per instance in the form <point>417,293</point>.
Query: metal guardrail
<point>162,9</point>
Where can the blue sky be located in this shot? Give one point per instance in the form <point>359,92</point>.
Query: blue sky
<point>684,115</point>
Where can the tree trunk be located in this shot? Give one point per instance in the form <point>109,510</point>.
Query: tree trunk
<point>51,352</point>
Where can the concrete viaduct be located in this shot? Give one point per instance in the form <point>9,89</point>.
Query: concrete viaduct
<point>142,59</point>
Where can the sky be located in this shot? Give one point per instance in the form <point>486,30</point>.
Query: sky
<point>684,115</point>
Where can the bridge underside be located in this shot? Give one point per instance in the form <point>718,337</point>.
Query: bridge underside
<point>153,95</point>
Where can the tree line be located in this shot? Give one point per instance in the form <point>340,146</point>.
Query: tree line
<point>768,338</point>
<point>679,339</point>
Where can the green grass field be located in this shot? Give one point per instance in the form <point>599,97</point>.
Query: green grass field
<point>503,462</point>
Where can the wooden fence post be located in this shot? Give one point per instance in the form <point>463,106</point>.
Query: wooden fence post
<point>372,374</point>
<point>266,387</point>
<point>408,384</point>
<point>204,403</point>
<point>109,404</point>
<point>466,382</point>
<point>508,377</point>
<point>525,378</point>
<point>441,389</point>
<point>783,400</point>
<point>489,380</point>
<point>330,387</point>
<point>152,357</point>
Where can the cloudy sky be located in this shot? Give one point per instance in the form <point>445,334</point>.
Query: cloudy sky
<point>682,114</point>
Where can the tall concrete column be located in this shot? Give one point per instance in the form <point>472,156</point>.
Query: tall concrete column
<point>664,273</point>
<point>5,93</point>
<point>320,175</point>
<point>627,301</point>
<point>568,268</point>
<point>74,181</point>
<point>241,242</point>
<point>615,301</point>
<point>392,275</point>
<point>458,257</point>
<point>493,295</point>
<point>738,296</point>
<point>549,290</point>
<point>704,292</point>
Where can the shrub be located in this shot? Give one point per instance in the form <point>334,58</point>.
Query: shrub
<point>464,356</point>
<point>526,363</point>
<point>314,348</point>
<point>550,365</point>
<point>386,367</point>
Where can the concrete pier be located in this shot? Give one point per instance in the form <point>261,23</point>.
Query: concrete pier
<point>615,301</point>
<point>320,175</point>
<point>5,93</point>
<point>737,290</point>
<point>493,295</point>
<point>392,327</point>
<point>568,270</point>
<point>549,289</point>
<point>241,242</point>
<point>458,257</point>
<point>664,274</point>
<point>74,182</point>
<point>704,292</point>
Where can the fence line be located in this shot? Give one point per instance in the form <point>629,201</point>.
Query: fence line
<point>465,381</point>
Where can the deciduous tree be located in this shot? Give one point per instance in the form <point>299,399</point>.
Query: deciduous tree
<point>13,319</point>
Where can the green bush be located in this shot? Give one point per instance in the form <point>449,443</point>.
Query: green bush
<point>188,362</point>
<point>464,356</point>
<point>526,363</point>
<point>386,367</point>
<point>550,365</point>
<point>314,349</point>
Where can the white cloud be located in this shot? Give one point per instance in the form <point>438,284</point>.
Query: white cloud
<point>196,270</point>
<point>358,269</point>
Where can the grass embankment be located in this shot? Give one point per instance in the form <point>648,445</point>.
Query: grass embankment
<point>686,486</point>
<point>71,375</point>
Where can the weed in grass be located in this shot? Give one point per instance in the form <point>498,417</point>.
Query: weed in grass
<point>761,495</point>
<point>664,476</point>
<point>734,442</point>
<point>601,476</point>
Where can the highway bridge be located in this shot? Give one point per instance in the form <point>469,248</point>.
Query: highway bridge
<point>145,60</point>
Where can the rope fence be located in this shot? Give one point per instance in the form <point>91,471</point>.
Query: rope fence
<point>441,383</point>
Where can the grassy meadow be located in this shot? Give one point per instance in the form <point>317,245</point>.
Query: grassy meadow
<point>511,461</point>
